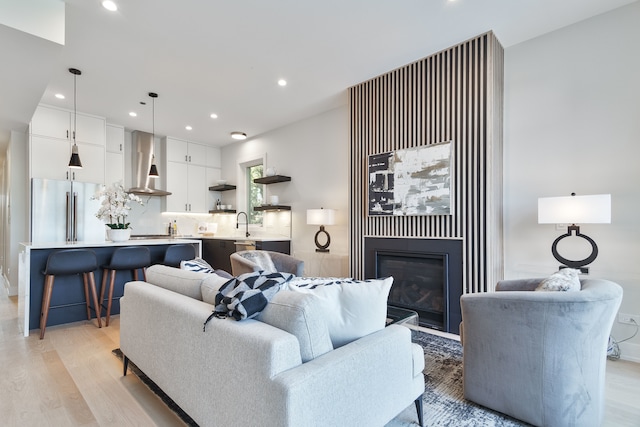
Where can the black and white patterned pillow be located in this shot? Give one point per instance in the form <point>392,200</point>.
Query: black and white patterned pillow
<point>248,294</point>
<point>198,265</point>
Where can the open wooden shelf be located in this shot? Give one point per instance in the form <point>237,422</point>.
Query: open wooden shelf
<point>223,187</point>
<point>272,179</point>
<point>272,208</point>
<point>219,211</point>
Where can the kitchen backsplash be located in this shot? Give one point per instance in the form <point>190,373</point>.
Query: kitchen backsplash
<point>149,219</point>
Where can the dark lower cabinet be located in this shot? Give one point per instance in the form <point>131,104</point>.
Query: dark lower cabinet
<point>217,251</point>
<point>283,246</point>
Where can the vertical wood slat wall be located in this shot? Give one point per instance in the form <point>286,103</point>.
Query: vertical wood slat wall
<point>455,95</point>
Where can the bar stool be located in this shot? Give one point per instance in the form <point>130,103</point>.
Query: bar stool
<point>127,258</point>
<point>67,262</point>
<point>176,253</point>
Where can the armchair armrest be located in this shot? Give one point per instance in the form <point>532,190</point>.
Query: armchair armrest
<point>284,262</point>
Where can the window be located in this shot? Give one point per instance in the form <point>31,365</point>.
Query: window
<point>255,194</point>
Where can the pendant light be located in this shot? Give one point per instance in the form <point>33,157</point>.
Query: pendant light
<point>153,172</point>
<point>74,161</point>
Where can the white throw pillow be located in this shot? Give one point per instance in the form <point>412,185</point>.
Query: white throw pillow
<point>352,309</point>
<point>566,280</point>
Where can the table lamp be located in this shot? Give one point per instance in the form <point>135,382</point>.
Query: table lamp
<point>592,209</point>
<point>321,217</point>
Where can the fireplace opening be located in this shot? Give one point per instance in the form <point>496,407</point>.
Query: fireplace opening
<point>427,276</point>
<point>420,283</point>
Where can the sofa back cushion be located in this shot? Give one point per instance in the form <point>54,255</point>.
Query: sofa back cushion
<point>210,286</point>
<point>301,315</point>
<point>174,279</point>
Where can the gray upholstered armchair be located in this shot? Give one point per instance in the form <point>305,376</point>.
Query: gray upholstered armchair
<point>539,356</point>
<point>249,261</point>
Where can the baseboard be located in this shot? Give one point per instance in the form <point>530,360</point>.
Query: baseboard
<point>630,352</point>
<point>10,290</point>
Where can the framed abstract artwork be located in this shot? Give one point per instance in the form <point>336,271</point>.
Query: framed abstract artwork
<point>412,181</point>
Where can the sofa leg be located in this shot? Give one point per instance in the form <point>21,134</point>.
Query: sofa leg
<point>125,359</point>
<point>418,403</point>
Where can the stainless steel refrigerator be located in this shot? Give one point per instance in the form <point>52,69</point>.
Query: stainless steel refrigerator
<point>64,211</point>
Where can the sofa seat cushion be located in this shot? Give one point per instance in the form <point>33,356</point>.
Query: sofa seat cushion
<point>174,279</point>
<point>351,309</point>
<point>301,315</point>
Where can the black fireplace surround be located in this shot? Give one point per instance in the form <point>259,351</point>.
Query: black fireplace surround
<point>427,277</point>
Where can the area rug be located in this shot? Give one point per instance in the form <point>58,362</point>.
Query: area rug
<point>444,404</point>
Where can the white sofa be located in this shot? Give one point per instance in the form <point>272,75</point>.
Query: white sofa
<point>251,373</point>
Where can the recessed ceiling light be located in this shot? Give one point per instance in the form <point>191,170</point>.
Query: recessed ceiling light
<point>238,135</point>
<point>133,114</point>
<point>282,82</point>
<point>214,116</point>
<point>59,96</point>
<point>188,127</point>
<point>109,5</point>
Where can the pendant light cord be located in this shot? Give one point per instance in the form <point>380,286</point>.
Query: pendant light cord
<point>75,111</point>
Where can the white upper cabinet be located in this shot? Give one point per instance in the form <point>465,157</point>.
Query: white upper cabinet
<point>51,140</point>
<point>51,122</point>
<point>114,164</point>
<point>50,159</point>
<point>93,167</point>
<point>115,138</point>
<point>186,152</point>
<point>56,123</point>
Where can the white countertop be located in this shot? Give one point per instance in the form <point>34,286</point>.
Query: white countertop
<point>242,238</point>
<point>133,242</point>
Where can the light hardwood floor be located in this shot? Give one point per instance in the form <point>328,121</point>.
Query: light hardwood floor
<point>70,378</point>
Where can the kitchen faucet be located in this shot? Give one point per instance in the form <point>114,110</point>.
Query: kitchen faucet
<point>246,222</point>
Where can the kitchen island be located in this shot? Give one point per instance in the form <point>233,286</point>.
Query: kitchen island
<point>68,301</point>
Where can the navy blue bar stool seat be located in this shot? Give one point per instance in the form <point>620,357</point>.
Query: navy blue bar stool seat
<point>130,258</point>
<point>69,262</point>
<point>176,253</point>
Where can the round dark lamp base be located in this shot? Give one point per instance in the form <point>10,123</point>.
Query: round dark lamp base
<point>580,263</point>
<point>322,247</point>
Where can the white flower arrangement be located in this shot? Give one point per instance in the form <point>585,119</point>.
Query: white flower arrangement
<point>115,208</point>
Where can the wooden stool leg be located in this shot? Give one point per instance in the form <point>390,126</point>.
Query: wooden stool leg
<point>110,300</point>
<point>86,295</point>
<point>103,285</point>
<point>94,294</point>
<point>46,303</point>
<point>135,274</point>
<point>144,273</point>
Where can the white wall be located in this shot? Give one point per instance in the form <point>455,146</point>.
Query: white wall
<point>315,153</point>
<point>572,124</point>
<point>17,220</point>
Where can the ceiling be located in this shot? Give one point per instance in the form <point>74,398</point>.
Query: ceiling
<point>225,57</point>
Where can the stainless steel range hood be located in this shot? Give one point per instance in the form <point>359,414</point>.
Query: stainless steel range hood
<point>142,146</point>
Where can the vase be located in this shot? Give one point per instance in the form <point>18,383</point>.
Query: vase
<point>118,234</point>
